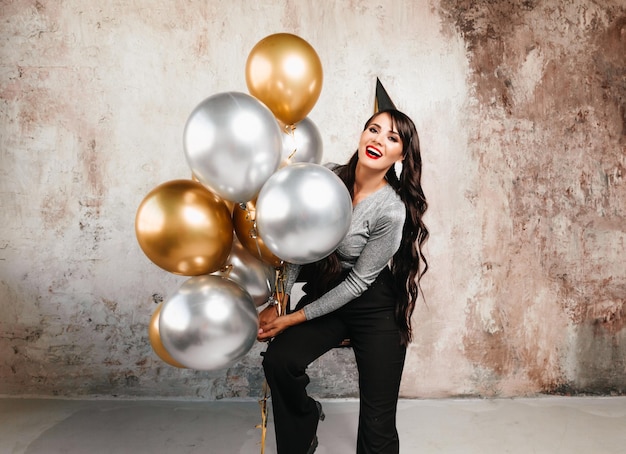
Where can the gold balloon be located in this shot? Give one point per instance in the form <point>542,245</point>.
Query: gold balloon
<point>155,339</point>
<point>230,205</point>
<point>245,229</point>
<point>184,228</point>
<point>285,73</point>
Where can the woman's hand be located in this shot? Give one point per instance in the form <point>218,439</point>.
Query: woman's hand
<point>268,315</point>
<point>280,324</point>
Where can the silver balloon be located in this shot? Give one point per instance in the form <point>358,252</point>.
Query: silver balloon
<point>257,277</point>
<point>233,144</point>
<point>302,143</point>
<point>303,212</point>
<point>209,323</point>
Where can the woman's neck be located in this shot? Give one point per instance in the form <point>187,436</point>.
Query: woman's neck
<point>366,182</point>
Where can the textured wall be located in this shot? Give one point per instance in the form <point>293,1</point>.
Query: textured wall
<point>521,110</point>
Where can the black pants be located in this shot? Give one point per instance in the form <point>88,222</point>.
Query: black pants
<point>369,323</point>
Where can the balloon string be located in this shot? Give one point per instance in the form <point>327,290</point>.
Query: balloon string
<point>253,231</point>
<point>279,291</point>
<point>227,269</point>
<point>290,129</point>
<point>263,425</point>
<point>255,236</point>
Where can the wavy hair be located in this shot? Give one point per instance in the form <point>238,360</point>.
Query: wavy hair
<point>408,263</point>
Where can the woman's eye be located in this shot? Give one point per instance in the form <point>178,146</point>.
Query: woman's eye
<point>393,138</point>
<point>373,130</point>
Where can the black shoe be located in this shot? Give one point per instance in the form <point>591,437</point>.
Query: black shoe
<point>313,446</point>
<point>320,411</point>
<point>322,416</point>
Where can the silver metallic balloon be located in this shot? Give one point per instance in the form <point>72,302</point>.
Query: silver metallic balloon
<point>257,277</point>
<point>302,142</point>
<point>303,212</point>
<point>233,144</point>
<point>209,323</point>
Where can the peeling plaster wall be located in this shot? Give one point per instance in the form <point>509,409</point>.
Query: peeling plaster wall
<point>547,130</point>
<point>521,111</point>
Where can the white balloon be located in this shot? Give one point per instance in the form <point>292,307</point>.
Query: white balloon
<point>233,144</point>
<point>303,143</point>
<point>303,212</point>
<point>209,323</point>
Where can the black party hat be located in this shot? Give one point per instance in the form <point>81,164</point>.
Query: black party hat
<point>382,101</point>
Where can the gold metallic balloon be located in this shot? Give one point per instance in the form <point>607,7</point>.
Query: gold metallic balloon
<point>184,228</point>
<point>285,73</point>
<point>230,205</point>
<point>155,339</point>
<point>245,229</point>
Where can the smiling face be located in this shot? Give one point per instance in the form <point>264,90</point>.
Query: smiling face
<point>380,145</point>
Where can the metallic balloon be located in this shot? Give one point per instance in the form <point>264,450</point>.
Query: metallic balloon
<point>232,144</point>
<point>184,228</point>
<point>257,277</point>
<point>155,339</point>
<point>228,203</point>
<point>244,223</point>
<point>303,212</point>
<point>302,142</point>
<point>285,72</point>
<point>208,324</point>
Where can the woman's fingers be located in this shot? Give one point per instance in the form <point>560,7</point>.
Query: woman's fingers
<point>265,332</point>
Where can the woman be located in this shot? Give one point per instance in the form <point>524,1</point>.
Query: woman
<point>365,291</point>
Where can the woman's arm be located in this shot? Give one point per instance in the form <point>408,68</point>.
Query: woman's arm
<point>380,248</point>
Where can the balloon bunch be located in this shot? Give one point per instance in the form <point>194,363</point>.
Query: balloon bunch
<point>258,198</point>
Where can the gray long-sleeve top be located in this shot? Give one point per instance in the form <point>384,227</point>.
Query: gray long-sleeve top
<point>373,238</point>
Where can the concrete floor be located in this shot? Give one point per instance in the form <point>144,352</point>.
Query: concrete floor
<point>540,425</point>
